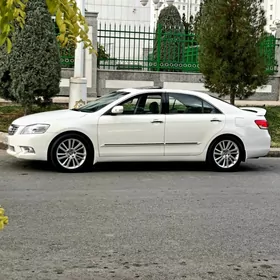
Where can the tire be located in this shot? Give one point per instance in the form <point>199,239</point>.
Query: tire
<point>225,154</point>
<point>71,153</point>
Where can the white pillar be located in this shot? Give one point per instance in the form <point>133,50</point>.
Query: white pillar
<point>91,59</point>
<point>79,52</point>
<point>78,84</point>
<point>78,92</point>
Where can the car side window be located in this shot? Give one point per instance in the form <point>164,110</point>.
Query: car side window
<point>143,104</point>
<point>189,104</point>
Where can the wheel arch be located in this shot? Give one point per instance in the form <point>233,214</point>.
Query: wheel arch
<point>69,132</point>
<point>224,136</point>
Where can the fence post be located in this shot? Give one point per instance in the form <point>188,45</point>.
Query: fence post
<point>158,37</point>
<point>91,59</point>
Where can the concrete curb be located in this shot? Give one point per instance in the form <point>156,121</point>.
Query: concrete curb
<point>274,152</point>
<point>3,146</point>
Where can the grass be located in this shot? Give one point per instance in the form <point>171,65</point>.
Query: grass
<point>10,112</point>
<point>273,117</point>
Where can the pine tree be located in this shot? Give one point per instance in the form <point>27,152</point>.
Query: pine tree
<point>5,79</point>
<point>189,25</point>
<point>169,41</point>
<point>229,33</point>
<point>33,67</point>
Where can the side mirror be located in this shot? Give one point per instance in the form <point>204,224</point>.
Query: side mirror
<point>117,110</point>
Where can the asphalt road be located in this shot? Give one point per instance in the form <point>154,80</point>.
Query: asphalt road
<point>140,221</point>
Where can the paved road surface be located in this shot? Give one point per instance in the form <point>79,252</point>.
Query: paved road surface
<point>140,221</point>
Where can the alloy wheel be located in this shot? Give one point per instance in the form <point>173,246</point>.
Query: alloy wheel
<point>226,154</point>
<point>71,153</point>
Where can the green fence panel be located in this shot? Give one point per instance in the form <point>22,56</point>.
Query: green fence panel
<point>268,51</point>
<point>163,49</point>
<point>128,47</point>
<point>67,54</point>
<point>67,57</point>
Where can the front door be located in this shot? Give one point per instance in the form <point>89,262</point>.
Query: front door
<point>190,124</point>
<point>138,131</point>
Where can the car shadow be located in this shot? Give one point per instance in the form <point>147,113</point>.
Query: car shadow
<point>24,166</point>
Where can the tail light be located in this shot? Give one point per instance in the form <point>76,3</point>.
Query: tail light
<point>262,124</point>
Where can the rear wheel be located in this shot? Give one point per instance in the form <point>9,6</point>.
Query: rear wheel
<point>225,154</point>
<point>71,153</point>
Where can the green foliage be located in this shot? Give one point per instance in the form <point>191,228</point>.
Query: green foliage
<point>273,117</point>
<point>189,25</point>
<point>229,33</point>
<point>101,54</point>
<point>10,112</point>
<point>71,23</point>
<point>169,42</point>
<point>5,79</point>
<point>32,69</point>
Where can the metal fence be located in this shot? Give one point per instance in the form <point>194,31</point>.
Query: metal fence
<point>268,51</point>
<point>140,48</point>
<point>67,54</point>
<point>166,49</point>
<point>127,47</point>
<point>67,57</point>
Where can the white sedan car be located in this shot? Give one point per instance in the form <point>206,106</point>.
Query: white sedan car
<point>145,124</point>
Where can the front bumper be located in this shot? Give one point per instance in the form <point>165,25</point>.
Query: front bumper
<point>30,147</point>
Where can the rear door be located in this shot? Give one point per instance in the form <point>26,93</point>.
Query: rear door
<point>190,123</point>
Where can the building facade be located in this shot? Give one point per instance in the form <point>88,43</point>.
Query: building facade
<point>124,12</point>
<point>187,7</point>
<point>272,9</point>
<point>191,7</point>
<point>131,12</point>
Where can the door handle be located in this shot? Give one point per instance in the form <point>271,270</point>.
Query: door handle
<point>157,121</point>
<point>216,120</point>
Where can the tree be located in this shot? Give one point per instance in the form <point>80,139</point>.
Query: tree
<point>72,25</point>
<point>5,79</point>
<point>199,14</point>
<point>189,25</point>
<point>32,69</point>
<point>102,54</point>
<point>229,33</point>
<point>169,44</point>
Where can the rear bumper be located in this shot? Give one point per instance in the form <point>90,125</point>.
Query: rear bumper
<point>259,147</point>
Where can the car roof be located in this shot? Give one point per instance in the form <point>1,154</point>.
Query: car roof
<point>159,89</point>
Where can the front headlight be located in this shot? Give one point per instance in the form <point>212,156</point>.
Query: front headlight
<point>35,129</point>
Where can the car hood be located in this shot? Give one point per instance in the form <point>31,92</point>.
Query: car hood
<point>48,117</point>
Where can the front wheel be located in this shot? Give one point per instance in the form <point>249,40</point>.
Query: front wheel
<point>225,154</point>
<point>71,153</point>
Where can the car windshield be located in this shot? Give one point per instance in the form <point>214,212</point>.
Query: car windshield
<point>101,102</point>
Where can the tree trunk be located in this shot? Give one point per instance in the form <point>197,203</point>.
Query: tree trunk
<point>232,98</point>
<point>27,109</point>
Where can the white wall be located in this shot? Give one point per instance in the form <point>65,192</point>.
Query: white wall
<point>187,7</point>
<point>272,8</point>
<point>125,12</point>
<point>191,7</point>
